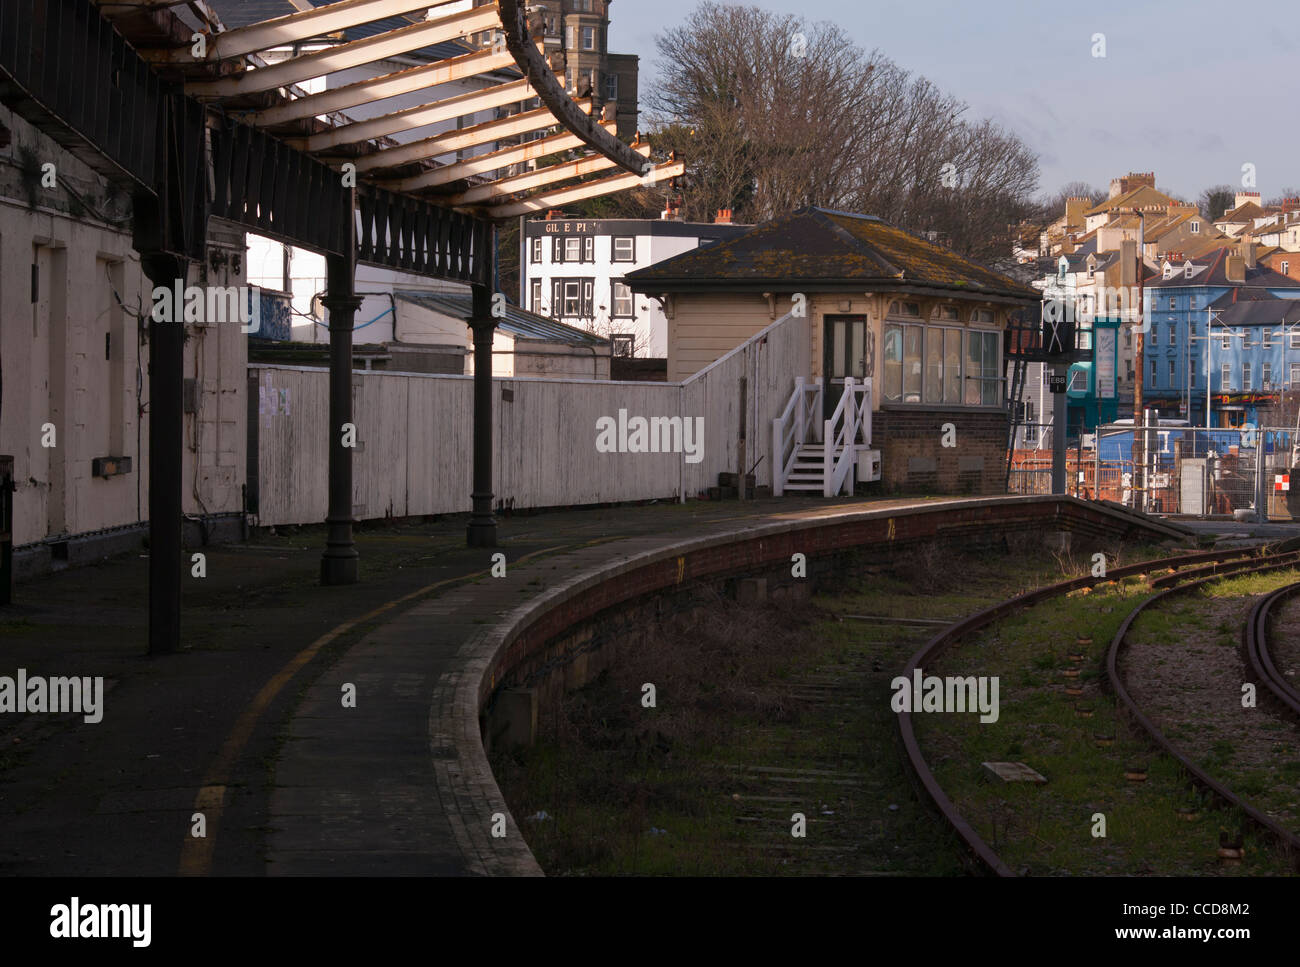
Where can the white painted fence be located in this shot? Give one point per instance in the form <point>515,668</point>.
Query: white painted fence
<point>414,452</point>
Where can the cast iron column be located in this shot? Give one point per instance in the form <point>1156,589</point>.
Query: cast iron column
<point>166,442</point>
<point>482,526</point>
<point>339,563</point>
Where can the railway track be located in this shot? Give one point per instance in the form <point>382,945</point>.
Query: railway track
<point>1258,659</point>
<point>1256,645</point>
<point>1190,568</point>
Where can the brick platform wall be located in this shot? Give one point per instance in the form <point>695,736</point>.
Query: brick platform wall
<point>625,603</point>
<point>913,457</point>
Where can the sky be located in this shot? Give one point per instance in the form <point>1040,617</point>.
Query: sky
<point>1192,90</point>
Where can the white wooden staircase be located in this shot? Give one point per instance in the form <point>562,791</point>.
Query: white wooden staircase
<point>813,455</point>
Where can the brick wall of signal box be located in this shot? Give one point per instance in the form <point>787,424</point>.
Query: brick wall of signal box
<point>914,460</point>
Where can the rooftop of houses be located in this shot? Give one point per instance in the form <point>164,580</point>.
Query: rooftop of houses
<point>1243,213</point>
<point>817,247</point>
<point>1276,222</point>
<point>1193,248</point>
<point>1257,309</point>
<point>518,322</point>
<point>1143,196</point>
<point>1212,269</point>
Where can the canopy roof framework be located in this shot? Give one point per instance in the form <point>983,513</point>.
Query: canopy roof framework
<point>197,120</point>
<point>249,75</point>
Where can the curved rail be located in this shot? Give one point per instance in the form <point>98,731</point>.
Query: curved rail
<point>1224,568</point>
<point>1255,642</point>
<point>945,639</point>
<point>1286,838</point>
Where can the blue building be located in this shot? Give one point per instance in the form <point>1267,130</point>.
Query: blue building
<point>1254,338</point>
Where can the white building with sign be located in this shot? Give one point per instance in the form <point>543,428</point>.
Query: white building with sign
<point>572,270</point>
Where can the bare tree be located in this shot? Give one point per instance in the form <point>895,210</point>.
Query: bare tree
<point>1054,205</point>
<point>1287,194</point>
<point>773,114</point>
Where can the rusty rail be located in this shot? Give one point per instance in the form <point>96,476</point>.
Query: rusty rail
<point>1224,568</point>
<point>1255,644</point>
<point>1284,837</point>
<point>951,635</point>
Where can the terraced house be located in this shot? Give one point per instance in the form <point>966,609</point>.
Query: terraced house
<point>1243,308</point>
<point>922,323</point>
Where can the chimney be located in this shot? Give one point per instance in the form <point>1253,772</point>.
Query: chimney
<point>723,217</point>
<point>1235,269</point>
<point>1246,249</point>
<point>1134,179</point>
<point>1074,209</point>
<point>1128,262</point>
<point>1242,197</point>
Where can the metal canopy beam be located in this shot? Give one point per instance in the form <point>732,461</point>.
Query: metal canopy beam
<point>482,164</point>
<point>537,179</point>
<point>405,233</point>
<point>74,77</point>
<point>462,105</point>
<point>514,21</point>
<point>295,70</point>
<point>387,85</point>
<point>592,189</point>
<point>451,141</point>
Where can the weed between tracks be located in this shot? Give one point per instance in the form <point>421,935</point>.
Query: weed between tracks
<point>761,713</point>
<point>1047,830</point>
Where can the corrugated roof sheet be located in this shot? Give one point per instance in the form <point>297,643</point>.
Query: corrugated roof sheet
<point>816,245</point>
<point>241,13</point>
<point>517,321</point>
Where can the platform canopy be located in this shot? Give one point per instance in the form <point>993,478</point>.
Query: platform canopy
<point>541,148</point>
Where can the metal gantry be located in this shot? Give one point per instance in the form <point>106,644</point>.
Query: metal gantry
<point>197,120</point>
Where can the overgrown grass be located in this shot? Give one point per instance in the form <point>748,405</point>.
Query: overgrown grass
<point>706,783</point>
<point>1049,829</point>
